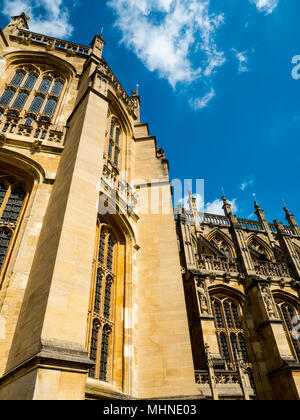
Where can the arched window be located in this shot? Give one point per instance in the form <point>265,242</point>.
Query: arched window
<point>49,88</point>
<point>37,103</point>
<point>114,142</point>
<point>45,85</point>
<point>30,81</point>
<point>107,298</point>
<point>13,196</point>
<point>290,316</point>
<point>222,245</point>
<point>230,332</point>
<point>18,78</point>
<point>20,100</point>
<point>7,96</point>
<point>102,303</point>
<point>50,107</point>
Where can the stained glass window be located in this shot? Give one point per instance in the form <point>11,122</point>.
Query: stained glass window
<point>57,88</point>
<point>36,104</point>
<point>29,121</point>
<point>112,129</point>
<point>50,107</point>
<point>7,97</point>
<point>14,205</point>
<point>98,291</point>
<point>102,247</point>
<point>45,85</point>
<point>5,237</point>
<point>30,81</point>
<point>3,192</point>
<point>288,315</point>
<point>107,299</point>
<point>20,100</point>
<point>104,353</point>
<point>18,78</point>
<point>110,253</point>
<point>116,159</point>
<point>94,348</point>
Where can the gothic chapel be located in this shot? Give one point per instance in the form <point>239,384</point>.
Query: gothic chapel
<point>124,303</point>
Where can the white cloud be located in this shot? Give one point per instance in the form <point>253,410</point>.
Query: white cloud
<point>246,183</point>
<point>176,38</point>
<point>48,17</point>
<point>202,102</point>
<point>216,207</point>
<point>266,6</point>
<point>242,58</point>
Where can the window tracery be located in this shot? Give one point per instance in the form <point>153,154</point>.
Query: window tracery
<point>290,316</point>
<point>230,331</point>
<point>102,310</point>
<point>114,142</point>
<point>222,246</point>
<point>33,90</point>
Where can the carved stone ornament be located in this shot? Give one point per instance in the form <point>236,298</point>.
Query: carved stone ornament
<point>37,146</point>
<point>269,302</point>
<point>203,298</point>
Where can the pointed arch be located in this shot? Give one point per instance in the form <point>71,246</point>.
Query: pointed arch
<point>259,249</point>
<point>222,242</point>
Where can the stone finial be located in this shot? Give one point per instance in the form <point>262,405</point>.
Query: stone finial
<point>97,46</point>
<point>19,22</point>
<point>227,206</point>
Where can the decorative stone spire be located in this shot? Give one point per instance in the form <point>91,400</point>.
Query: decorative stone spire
<point>227,207</point>
<point>97,46</point>
<point>263,221</point>
<point>193,208</point>
<point>292,221</point>
<point>18,22</point>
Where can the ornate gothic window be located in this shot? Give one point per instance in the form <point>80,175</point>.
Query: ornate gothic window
<point>114,142</point>
<point>222,246</point>
<point>13,197</point>
<point>290,317</point>
<point>101,312</point>
<point>230,332</point>
<point>34,90</point>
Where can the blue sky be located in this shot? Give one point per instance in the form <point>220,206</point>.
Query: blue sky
<point>215,84</point>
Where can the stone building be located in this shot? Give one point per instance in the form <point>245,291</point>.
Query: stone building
<point>241,280</point>
<point>92,302</point>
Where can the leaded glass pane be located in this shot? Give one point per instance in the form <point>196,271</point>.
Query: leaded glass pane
<point>36,104</point>
<point>101,247</point>
<point>14,205</point>
<point>116,159</point>
<point>218,315</point>
<point>98,291</point>
<point>5,237</point>
<point>228,315</point>
<point>50,107</point>
<point>93,349</point>
<point>118,136</point>
<point>110,253</point>
<point>234,345</point>
<point>45,85</point>
<point>112,129</point>
<point>57,88</point>
<point>104,353</point>
<point>17,79</point>
<point>20,100</point>
<point>29,121</point>
<point>7,96</point>
<point>107,299</point>
<point>110,149</point>
<point>224,347</point>
<point>236,317</point>
<point>30,81</point>
<point>243,348</point>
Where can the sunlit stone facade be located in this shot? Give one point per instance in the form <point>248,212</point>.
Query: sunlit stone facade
<point>92,299</point>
